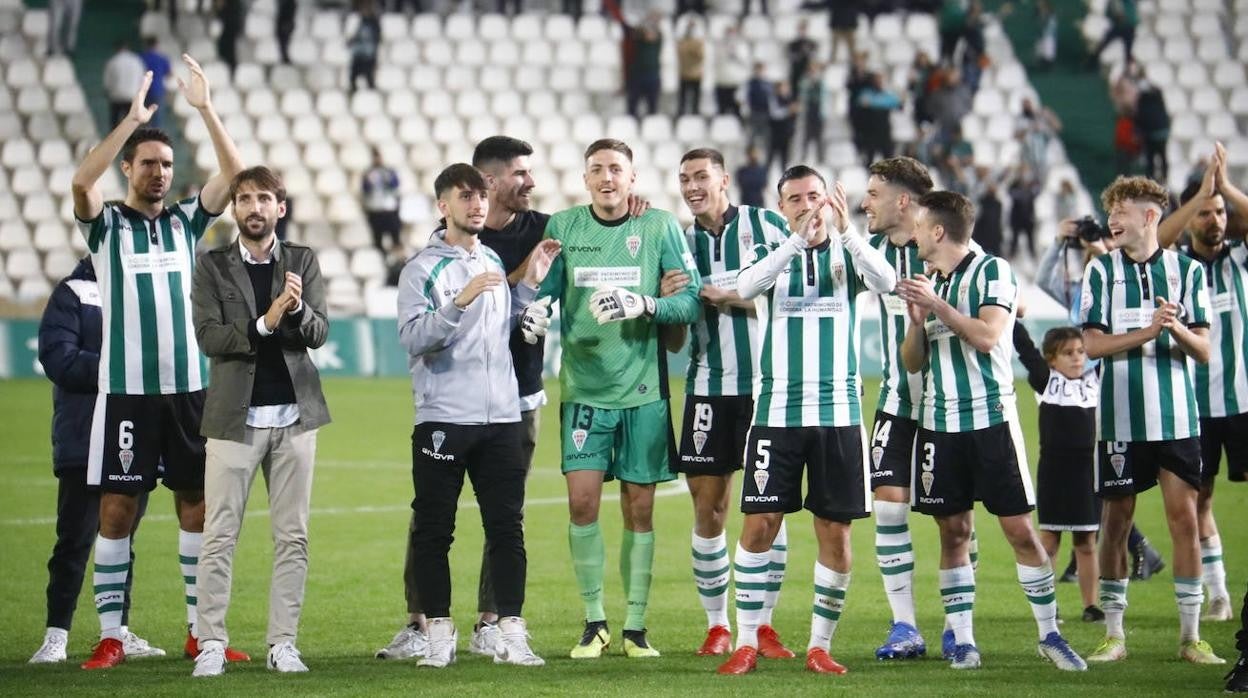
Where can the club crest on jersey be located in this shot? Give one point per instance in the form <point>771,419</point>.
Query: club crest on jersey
<point>699,440</point>
<point>760,480</point>
<point>838,272</point>
<point>877,455</point>
<point>1118,462</point>
<point>176,225</point>
<point>634,245</point>
<point>126,456</point>
<point>1172,280</point>
<point>578,438</point>
<point>438,438</point>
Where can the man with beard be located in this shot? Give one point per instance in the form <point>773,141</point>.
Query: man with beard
<point>1222,384</point>
<point>456,314</point>
<point>255,323</point>
<point>152,376</point>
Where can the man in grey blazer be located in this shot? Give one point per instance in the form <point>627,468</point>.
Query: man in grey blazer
<point>258,307</point>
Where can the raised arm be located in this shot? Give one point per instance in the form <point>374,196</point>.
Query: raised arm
<point>1172,226</point>
<point>88,199</point>
<point>215,194</point>
<point>1031,358</point>
<point>877,274</point>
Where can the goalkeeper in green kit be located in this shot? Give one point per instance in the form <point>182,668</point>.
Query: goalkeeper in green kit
<point>614,420</point>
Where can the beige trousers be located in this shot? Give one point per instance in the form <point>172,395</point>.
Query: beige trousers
<point>285,455</point>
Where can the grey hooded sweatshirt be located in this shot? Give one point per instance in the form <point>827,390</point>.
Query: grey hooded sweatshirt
<point>459,359</point>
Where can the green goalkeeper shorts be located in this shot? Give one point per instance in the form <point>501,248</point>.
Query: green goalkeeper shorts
<point>633,445</point>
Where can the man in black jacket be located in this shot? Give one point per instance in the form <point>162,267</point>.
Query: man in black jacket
<point>69,351</point>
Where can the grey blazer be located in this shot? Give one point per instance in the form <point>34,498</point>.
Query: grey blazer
<point>224,311</point>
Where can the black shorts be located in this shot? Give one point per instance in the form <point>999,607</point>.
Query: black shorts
<point>1065,494</point>
<point>712,437</point>
<point>1224,433</point>
<point>1131,467</point>
<point>953,470</point>
<point>137,439</point>
<point>892,450</point>
<point>836,472</point>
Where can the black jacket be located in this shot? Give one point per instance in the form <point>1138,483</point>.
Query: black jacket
<point>69,351</point>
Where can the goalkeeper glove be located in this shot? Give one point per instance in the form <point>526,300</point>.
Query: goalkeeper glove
<point>610,304</point>
<point>535,321</point>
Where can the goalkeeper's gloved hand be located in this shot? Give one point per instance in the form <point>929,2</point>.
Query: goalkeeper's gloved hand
<point>535,321</point>
<point>611,304</point>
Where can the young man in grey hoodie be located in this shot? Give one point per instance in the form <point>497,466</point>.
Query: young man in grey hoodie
<point>456,314</point>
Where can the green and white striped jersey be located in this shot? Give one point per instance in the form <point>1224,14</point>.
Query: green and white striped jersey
<point>808,355</point>
<point>1222,384</point>
<point>1147,393</point>
<point>900,391</point>
<point>144,267</point>
<point>722,356</point>
<point>964,389</point>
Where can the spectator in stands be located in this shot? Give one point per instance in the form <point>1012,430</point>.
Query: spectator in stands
<point>231,15</point>
<point>800,52</point>
<point>694,6</point>
<point>922,71</point>
<point>783,124</point>
<point>63,18</point>
<point>515,7</point>
<point>285,26</point>
<point>1024,191</point>
<point>1123,17</point>
<point>1152,120</point>
<point>1038,125</point>
<point>989,229</point>
<point>762,8</point>
<point>732,63</point>
<point>952,26</point>
<point>758,97</point>
<point>1046,40</point>
<point>364,45</point>
<point>752,178</point>
<point>948,103</point>
<point>1126,143</point>
<point>877,103</point>
<point>975,50</point>
<point>123,75</point>
<point>573,7</point>
<point>843,18</point>
<point>641,70</point>
<point>380,188</point>
<point>858,79</point>
<point>691,64</point>
<point>158,65</point>
<point>813,97</point>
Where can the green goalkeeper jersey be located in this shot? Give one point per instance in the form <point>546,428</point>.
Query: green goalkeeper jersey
<point>619,364</point>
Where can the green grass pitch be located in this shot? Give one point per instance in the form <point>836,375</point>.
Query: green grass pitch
<point>354,600</point>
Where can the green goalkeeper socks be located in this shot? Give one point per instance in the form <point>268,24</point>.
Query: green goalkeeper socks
<point>588,559</point>
<point>636,565</point>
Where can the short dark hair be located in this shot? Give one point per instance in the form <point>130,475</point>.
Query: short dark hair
<point>499,149</point>
<point>261,178</point>
<point>142,135</point>
<point>461,175</point>
<point>907,173</point>
<point>952,211</point>
<point>609,144</point>
<point>704,154</point>
<point>1056,337</point>
<point>151,41</point>
<point>799,172</point>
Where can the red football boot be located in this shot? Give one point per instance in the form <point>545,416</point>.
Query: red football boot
<point>743,661</point>
<point>770,646</point>
<point>106,655</point>
<point>818,661</point>
<point>718,641</point>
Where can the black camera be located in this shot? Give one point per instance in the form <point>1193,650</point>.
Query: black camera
<point>1088,229</point>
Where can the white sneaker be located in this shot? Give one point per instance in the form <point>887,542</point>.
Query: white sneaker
<point>407,643</point>
<point>211,659</point>
<point>284,657</point>
<point>136,647</point>
<point>442,640</point>
<point>1219,609</point>
<point>485,640</point>
<point>53,648</point>
<point>514,645</point>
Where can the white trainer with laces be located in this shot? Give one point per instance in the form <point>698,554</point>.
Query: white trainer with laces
<point>52,650</point>
<point>513,648</point>
<point>211,659</point>
<point>136,647</point>
<point>1219,610</point>
<point>485,639</point>
<point>442,640</point>
<point>408,643</point>
<point>284,658</point>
